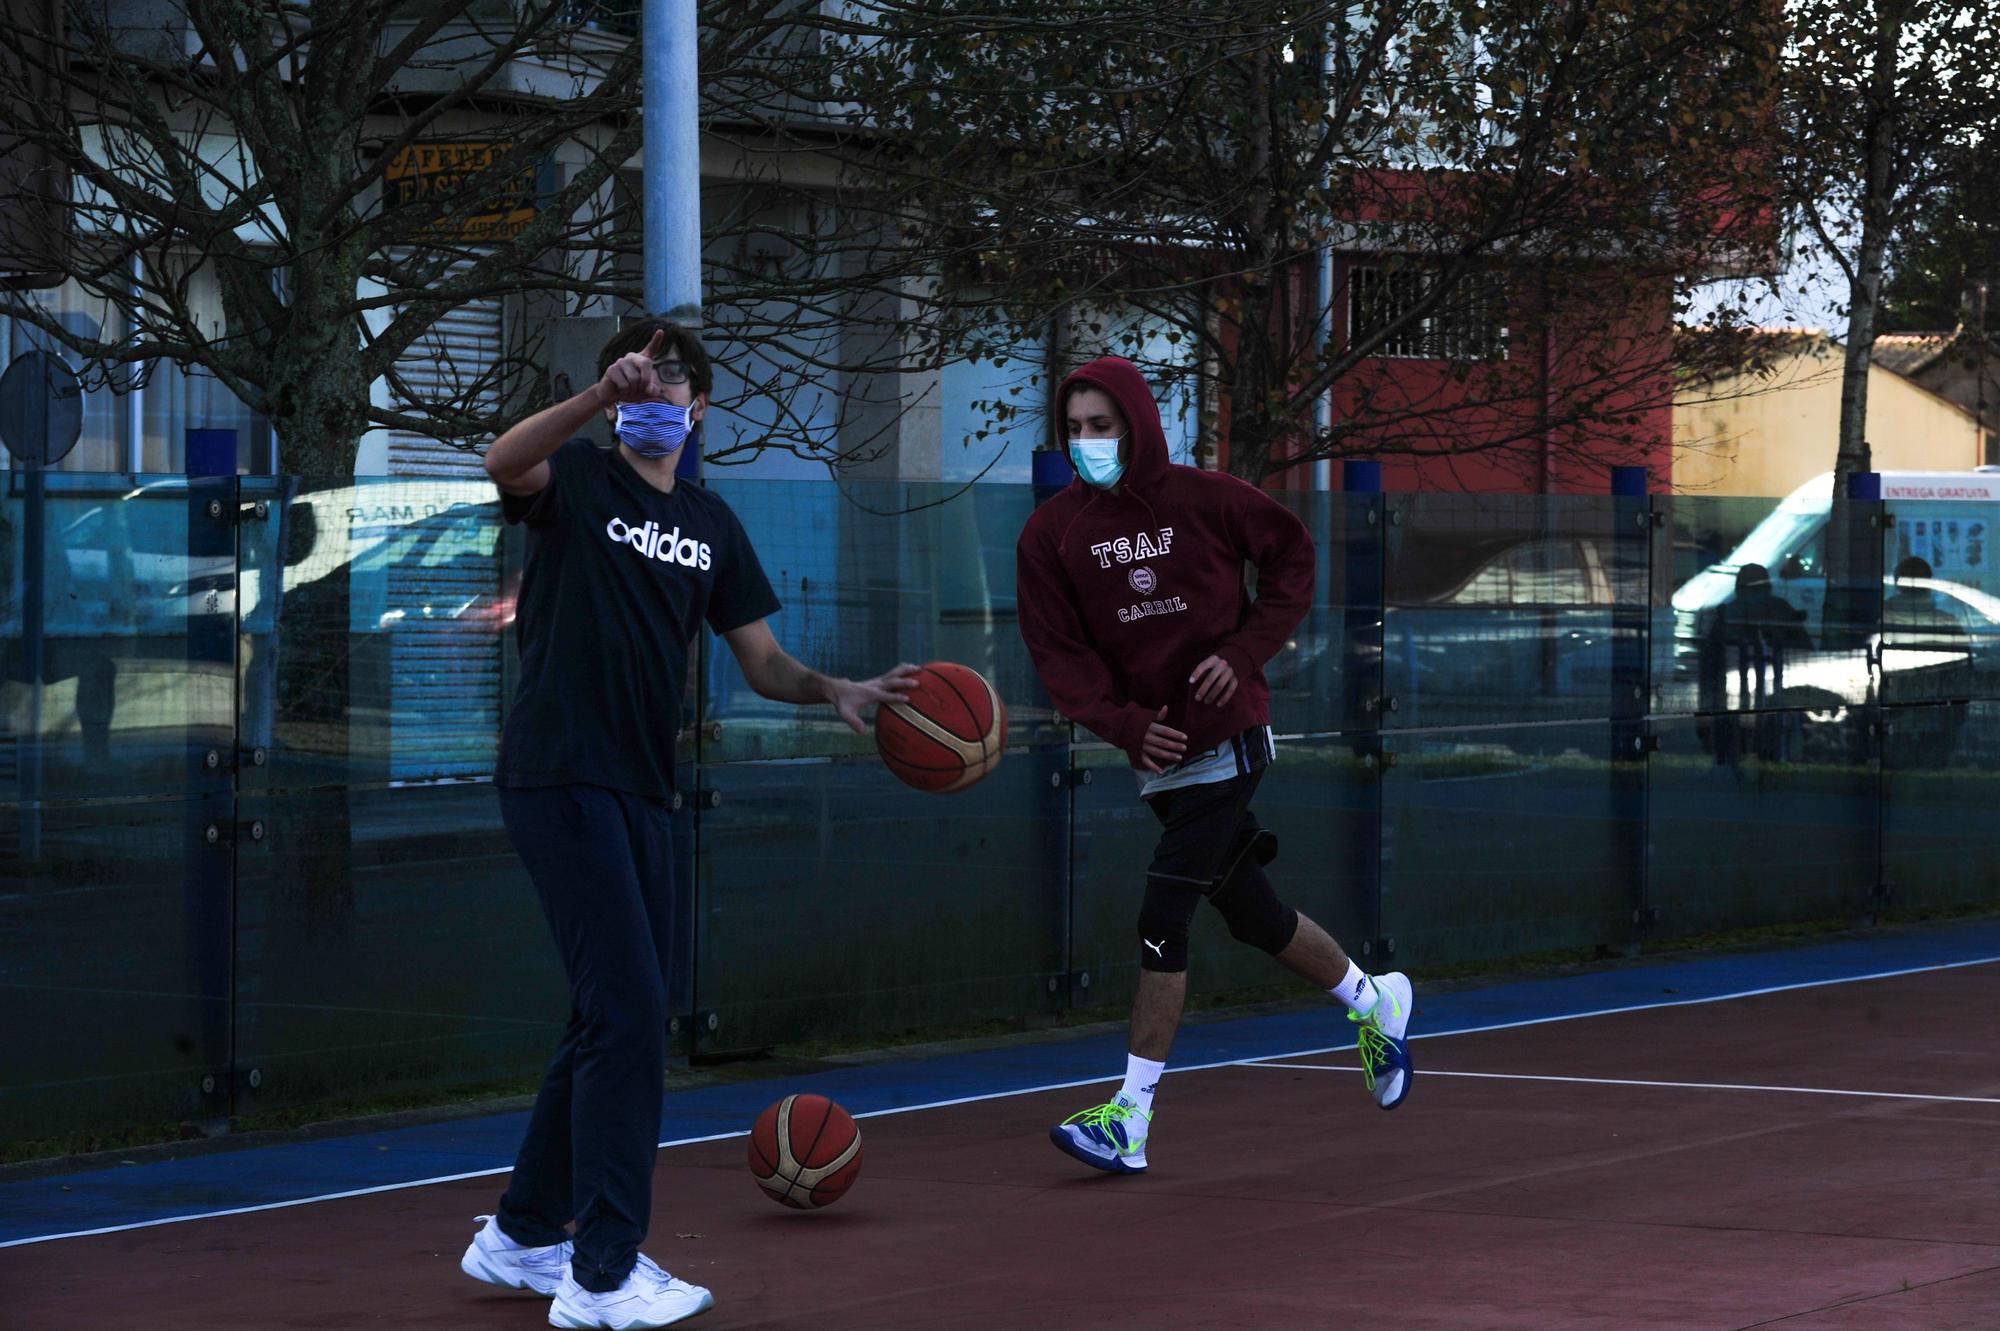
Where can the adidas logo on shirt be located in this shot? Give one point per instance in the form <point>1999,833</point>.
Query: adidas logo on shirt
<point>669,547</point>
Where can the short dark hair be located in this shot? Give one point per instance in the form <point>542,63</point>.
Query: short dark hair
<point>681,342</point>
<point>1913,566</point>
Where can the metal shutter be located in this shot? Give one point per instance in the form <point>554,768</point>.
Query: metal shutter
<point>457,349</point>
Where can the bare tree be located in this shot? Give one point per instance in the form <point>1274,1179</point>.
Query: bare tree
<point>1886,105</point>
<point>1542,169</point>
<point>347,172</point>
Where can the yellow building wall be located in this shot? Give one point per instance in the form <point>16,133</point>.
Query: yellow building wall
<point>1767,437</point>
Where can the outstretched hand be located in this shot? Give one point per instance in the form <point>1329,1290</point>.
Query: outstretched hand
<point>850,696</point>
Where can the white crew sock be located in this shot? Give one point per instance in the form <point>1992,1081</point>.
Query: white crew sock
<point>1356,990</point>
<point>1142,1078</point>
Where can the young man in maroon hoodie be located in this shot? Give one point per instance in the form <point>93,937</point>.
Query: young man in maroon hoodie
<point>1134,607</point>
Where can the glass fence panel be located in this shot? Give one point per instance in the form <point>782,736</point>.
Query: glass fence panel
<point>1327,676</point>
<point>119,636</point>
<point>833,900</point>
<point>1508,608</point>
<point>870,574</point>
<point>387,937</point>
<point>114,965</point>
<point>1112,843</point>
<point>1509,840</point>
<point>374,625</point>
<point>1751,611</point>
<point>1940,785</point>
<point>248,727</point>
<point>1940,591</point>
<point>1761,819</point>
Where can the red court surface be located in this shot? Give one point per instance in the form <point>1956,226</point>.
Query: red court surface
<point>1279,1197</point>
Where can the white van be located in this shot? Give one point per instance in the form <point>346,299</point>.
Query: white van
<point>1947,519</point>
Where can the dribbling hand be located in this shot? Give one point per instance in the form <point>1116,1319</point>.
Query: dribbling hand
<point>850,696</point>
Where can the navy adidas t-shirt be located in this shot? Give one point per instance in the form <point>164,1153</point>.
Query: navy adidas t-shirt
<point>617,581</point>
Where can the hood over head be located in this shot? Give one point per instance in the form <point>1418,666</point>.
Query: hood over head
<point>1146,460</point>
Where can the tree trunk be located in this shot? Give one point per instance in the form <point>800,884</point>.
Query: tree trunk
<point>1253,423</point>
<point>1865,292</point>
<point>329,719</point>
<point>1854,575</point>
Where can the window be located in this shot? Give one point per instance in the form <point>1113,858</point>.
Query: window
<point>1467,324</point>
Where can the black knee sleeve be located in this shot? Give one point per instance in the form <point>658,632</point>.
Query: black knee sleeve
<point>1252,910</point>
<point>1256,843</point>
<point>1163,923</point>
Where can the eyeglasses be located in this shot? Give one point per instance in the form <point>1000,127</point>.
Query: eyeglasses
<point>671,371</point>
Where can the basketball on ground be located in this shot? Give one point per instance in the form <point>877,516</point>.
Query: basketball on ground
<point>805,1152</point>
<point>947,733</point>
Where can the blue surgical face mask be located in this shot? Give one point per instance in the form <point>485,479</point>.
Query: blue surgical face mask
<point>654,429</point>
<point>1097,461</point>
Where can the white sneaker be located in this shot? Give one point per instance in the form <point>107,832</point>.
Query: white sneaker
<point>648,1298</point>
<point>498,1260</point>
<point>1386,1066</point>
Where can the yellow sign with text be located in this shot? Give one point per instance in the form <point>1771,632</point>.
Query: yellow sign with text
<point>478,202</point>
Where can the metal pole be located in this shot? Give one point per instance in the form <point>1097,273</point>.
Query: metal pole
<point>1323,330</point>
<point>34,572</point>
<point>1323,334</point>
<point>672,162</point>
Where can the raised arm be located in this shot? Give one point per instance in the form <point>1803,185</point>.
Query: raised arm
<point>518,461</point>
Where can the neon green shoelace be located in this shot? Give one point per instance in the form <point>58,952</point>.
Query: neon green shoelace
<point>1373,1046</point>
<point>1103,1116</point>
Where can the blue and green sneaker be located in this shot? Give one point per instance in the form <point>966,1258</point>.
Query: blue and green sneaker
<point>1111,1137</point>
<point>1386,1067</point>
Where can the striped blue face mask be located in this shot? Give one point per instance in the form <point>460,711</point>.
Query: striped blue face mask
<point>654,429</point>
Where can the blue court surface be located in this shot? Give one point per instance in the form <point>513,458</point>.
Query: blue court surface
<point>292,1174</point>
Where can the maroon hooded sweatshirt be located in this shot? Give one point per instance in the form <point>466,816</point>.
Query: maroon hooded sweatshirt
<point>1123,593</point>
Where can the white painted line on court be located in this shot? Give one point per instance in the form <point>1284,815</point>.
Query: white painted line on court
<point>1262,1060</point>
<point>1634,1007</point>
<point>307,1201</point>
<point>1670,1085</point>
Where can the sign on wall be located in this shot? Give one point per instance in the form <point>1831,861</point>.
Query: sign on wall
<point>448,173</point>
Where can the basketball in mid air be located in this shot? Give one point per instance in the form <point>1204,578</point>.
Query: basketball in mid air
<point>947,733</point>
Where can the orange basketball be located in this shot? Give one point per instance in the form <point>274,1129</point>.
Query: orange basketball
<point>947,733</point>
<point>805,1152</point>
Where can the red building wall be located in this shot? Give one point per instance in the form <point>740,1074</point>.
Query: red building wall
<point>1586,385</point>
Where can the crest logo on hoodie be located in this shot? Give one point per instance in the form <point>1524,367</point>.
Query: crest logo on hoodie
<point>1142,580</point>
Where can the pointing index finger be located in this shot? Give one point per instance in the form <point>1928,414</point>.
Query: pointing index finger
<point>659,340</point>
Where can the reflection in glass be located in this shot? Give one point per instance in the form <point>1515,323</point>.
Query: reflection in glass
<point>1508,840</point>
<point>1502,608</point>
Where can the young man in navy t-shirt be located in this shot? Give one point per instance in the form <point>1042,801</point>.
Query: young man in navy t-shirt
<point>624,563</point>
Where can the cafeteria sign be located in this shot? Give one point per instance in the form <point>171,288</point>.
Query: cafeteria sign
<point>422,172</point>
